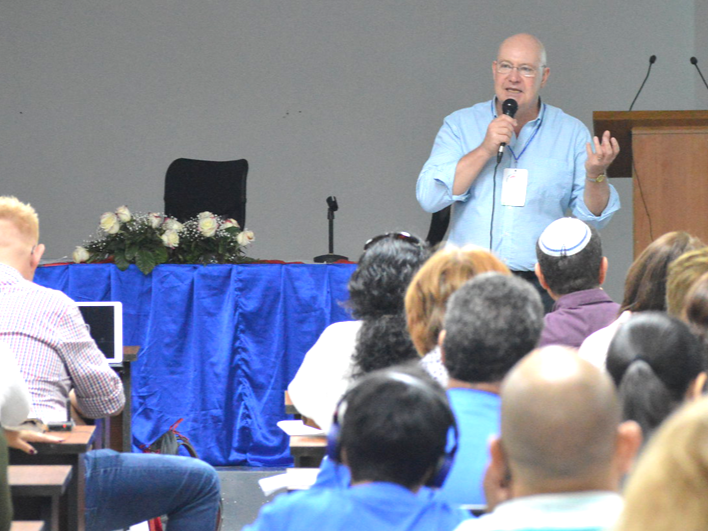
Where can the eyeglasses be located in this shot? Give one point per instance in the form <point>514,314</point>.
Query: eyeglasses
<point>505,68</point>
<point>404,236</point>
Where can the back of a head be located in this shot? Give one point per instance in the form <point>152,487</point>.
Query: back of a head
<point>653,358</point>
<point>492,321</point>
<point>569,253</point>
<point>559,416</point>
<point>695,310</point>
<point>385,269</point>
<point>433,285</point>
<point>669,486</point>
<point>645,285</point>
<point>394,426</point>
<point>683,272</point>
<point>23,220</point>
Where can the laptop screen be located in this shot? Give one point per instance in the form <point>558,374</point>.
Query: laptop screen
<point>104,321</point>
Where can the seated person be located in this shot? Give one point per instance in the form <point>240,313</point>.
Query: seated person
<point>391,430</point>
<point>492,322</point>
<point>572,269</point>
<point>644,289</point>
<point>657,363</point>
<point>428,293</point>
<point>58,359</point>
<point>377,339</point>
<point>669,485</point>
<point>563,449</point>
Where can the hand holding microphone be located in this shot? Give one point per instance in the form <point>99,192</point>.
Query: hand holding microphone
<point>509,108</point>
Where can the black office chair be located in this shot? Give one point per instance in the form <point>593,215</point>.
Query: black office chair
<point>194,186</point>
<point>438,226</point>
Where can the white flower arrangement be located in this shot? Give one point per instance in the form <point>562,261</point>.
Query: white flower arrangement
<point>151,239</point>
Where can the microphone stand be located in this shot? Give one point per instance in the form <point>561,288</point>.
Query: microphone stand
<point>330,257</point>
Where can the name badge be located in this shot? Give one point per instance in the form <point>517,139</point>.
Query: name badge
<point>514,187</point>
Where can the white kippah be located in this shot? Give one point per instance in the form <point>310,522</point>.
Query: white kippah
<point>564,237</point>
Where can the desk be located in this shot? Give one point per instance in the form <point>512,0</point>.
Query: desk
<point>69,452</point>
<point>219,345</point>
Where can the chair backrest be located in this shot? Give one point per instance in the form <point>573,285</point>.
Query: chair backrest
<point>194,186</point>
<point>439,223</point>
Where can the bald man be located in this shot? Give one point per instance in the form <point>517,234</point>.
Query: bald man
<point>550,164</point>
<point>562,450</point>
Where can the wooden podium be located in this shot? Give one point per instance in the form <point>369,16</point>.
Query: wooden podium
<point>666,154</point>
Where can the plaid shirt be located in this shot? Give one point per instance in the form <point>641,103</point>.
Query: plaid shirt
<point>55,353</point>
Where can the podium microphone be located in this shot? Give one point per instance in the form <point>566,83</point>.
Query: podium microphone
<point>694,62</point>
<point>509,107</point>
<point>652,60</point>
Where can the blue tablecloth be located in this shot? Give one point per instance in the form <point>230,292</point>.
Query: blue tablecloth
<point>219,345</point>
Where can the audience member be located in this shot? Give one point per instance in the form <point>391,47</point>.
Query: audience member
<point>695,310</point>
<point>571,268</point>
<point>492,321</point>
<point>669,486</point>
<point>427,296</point>
<point>644,289</point>
<point>683,273</point>
<point>562,450</point>
<point>656,363</point>
<point>58,360</point>
<point>391,430</point>
<point>378,338</point>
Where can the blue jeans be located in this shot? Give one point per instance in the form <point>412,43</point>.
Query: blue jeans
<point>123,489</point>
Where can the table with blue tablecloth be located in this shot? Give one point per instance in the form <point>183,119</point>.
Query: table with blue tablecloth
<point>219,345</point>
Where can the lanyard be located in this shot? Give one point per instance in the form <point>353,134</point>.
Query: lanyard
<point>540,122</point>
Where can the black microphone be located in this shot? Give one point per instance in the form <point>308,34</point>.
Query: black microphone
<point>694,62</point>
<point>652,60</point>
<point>509,107</point>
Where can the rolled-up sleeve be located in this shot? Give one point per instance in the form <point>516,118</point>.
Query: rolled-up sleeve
<point>434,187</point>
<point>99,390</point>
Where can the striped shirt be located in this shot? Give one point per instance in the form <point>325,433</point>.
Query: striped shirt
<point>54,351</point>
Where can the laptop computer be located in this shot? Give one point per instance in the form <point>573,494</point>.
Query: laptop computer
<point>104,321</point>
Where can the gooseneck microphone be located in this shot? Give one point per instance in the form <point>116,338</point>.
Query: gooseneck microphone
<point>694,62</point>
<point>652,60</point>
<point>509,107</point>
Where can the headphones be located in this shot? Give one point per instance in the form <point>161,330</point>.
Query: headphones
<point>444,464</point>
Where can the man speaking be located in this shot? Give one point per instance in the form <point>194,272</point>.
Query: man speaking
<point>549,163</point>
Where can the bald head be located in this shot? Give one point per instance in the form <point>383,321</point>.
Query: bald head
<point>527,42</point>
<point>560,416</point>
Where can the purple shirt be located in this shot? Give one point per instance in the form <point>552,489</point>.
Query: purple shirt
<point>577,315</point>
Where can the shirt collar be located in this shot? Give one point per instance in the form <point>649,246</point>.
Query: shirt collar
<point>539,118</point>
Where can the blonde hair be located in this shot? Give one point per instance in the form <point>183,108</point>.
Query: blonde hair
<point>435,282</point>
<point>683,272</point>
<point>22,216</point>
<point>669,486</point>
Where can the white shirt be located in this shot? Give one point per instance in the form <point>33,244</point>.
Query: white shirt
<point>14,397</point>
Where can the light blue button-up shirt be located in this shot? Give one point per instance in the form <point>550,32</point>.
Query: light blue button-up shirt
<point>551,148</point>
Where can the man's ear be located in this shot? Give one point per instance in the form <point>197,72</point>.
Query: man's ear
<point>603,271</point>
<point>546,73</point>
<point>695,388</point>
<point>629,439</point>
<point>441,340</point>
<point>539,275</point>
<point>34,259</point>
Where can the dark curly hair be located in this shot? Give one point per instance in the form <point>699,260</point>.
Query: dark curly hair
<point>379,284</point>
<point>376,293</point>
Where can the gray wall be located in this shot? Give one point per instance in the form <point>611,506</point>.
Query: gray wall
<point>342,98</point>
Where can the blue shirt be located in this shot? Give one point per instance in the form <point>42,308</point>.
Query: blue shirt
<point>551,148</point>
<point>477,416</point>
<point>373,506</point>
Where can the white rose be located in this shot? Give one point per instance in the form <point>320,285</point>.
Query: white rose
<point>229,223</point>
<point>172,224</point>
<point>245,237</point>
<point>155,219</point>
<point>80,254</point>
<point>204,215</point>
<point>207,226</point>
<point>170,238</point>
<point>123,214</point>
<point>110,223</point>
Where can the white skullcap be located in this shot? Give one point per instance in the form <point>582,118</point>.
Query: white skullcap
<point>564,237</point>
